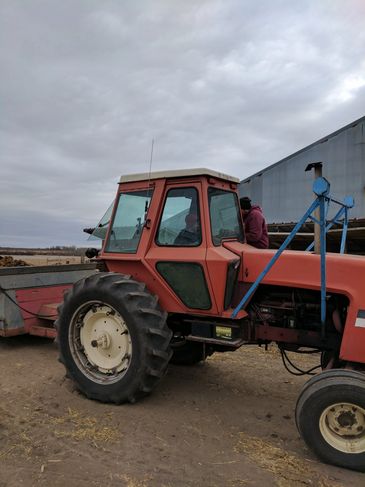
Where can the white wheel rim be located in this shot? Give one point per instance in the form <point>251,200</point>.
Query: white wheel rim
<point>100,342</point>
<point>343,427</point>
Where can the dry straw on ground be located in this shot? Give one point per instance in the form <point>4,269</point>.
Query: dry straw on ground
<point>287,468</point>
<point>80,427</point>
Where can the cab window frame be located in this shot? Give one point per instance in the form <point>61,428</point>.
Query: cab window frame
<point>198,206</point>
<point>241,237</point>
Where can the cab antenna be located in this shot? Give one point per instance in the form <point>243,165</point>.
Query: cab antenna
<point>149,174</point>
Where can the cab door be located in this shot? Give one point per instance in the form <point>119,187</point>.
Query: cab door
<point>178,250</point>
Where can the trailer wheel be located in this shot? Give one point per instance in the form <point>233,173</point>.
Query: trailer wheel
<point>330,416</point>
<point>190,353</point>
<point>113,338</point>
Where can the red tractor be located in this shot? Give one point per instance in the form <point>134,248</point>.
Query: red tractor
<point>173,267</point>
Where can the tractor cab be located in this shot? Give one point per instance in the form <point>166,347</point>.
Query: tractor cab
<point>171,230</point>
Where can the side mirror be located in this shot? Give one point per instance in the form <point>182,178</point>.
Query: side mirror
<point>91,253</point>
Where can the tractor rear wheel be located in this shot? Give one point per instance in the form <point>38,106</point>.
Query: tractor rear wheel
<point>113,338</point>
<point>330,416</point>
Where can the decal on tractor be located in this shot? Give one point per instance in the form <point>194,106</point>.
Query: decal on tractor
<point>360,320</point>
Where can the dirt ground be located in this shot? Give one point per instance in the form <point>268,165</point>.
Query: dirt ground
<point>227,422</point>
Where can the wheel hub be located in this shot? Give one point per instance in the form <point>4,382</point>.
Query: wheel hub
<point>343,427</point>
<point>104,340</point>
<point>346,419</point>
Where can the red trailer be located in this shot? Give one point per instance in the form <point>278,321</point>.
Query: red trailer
<point>29,297</point>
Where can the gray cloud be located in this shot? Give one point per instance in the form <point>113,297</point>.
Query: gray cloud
<point>231,85</point>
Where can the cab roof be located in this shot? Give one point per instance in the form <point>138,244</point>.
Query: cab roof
<point>179,173</point>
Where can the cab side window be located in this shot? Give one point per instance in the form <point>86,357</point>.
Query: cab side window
<point>180,224</point>
<point>225,218</point>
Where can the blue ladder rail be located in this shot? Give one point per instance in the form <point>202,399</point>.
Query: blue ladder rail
<point>321,187</point>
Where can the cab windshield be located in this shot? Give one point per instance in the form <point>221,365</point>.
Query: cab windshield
<point>99,232</point>
<point>128,222</point>
<point>225,218</point>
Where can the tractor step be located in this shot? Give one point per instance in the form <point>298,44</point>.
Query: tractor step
<point>218,341</point>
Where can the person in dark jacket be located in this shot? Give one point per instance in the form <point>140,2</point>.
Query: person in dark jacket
<point>191,235</point>
<point>255,224</point>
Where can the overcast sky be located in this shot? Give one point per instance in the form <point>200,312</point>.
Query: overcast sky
<point>233,85</point>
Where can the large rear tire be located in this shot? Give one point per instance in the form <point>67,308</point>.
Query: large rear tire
<point>113,338</point>
<point>330,416</point>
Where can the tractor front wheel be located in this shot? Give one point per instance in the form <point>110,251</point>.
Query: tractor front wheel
<point>113,338</point>
<point>330,416</point>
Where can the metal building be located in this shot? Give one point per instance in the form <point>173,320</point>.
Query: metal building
<point>283,190</point>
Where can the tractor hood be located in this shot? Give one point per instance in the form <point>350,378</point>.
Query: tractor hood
<point>345,273</point>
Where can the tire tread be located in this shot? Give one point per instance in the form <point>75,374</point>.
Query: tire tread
<point>141,307</point>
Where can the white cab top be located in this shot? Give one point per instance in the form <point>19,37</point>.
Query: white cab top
<point>179,173</point>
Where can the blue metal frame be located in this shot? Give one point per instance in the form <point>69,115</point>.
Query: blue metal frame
<point>321,188</point>
<point>342,212</point>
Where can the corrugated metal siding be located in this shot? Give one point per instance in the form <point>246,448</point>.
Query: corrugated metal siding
<point>284,190</point>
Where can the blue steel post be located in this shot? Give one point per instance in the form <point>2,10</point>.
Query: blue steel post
<point>344,232</point>
<point>348,203</point>
<point>322,217</point>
